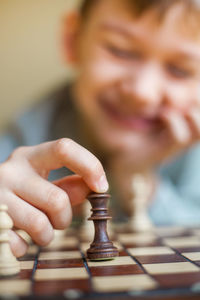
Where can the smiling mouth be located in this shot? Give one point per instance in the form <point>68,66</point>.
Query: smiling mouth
<point>137,122</point>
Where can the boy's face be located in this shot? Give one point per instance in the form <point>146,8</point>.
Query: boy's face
<point>131,71</point>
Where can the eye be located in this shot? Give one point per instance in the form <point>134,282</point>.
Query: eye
<point>124,54</point>
<point>178,72</point>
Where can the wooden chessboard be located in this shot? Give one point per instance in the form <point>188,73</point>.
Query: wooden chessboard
<point>164,264</point>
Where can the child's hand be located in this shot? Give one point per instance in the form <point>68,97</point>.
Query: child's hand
<point>37,205</point>
<point>184,128</point>
<point>179,131</point>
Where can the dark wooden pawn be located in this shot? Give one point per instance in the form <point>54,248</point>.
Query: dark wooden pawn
<point>101,248</point>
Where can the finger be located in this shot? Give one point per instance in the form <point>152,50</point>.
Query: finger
<point>75,187</point>
<point>29,219</point>
<point>193,117</point>
<point>177,127</point>
<point>18,245</point>
<point>47,197</point>
<point>65,152</point>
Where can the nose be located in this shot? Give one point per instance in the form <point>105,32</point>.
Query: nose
<point>145,86</point>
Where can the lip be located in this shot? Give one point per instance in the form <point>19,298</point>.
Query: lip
<point>131,122</point>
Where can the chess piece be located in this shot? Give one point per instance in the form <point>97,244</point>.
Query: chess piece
<point>140,220</point>
<point>25,236</point>
<point>101,248</point>
<point>9,265</point>
<point>59,233</point>
<point>86,231</point>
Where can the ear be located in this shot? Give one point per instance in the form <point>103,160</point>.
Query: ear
<point>69,35</point>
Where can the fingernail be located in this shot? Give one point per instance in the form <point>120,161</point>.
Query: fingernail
<point>102,185</point>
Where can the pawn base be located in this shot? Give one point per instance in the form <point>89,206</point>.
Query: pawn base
<point>9,269</point>
<point>101,253</point>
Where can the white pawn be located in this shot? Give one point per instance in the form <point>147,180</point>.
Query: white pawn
<point>86,231</point>
<point>140,220</point>
<point>59,234</point>
<point>9,265</point>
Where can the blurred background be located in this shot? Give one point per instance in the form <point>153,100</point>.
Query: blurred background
<point>30,62</point>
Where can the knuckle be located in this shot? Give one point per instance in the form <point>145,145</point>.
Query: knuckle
<point>12,166</point>
<point>57,200</point>
<point>62,145</point>
<point>18,152</point>
<point>6,172</point>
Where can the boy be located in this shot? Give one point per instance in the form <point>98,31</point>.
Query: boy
<point>134,104</point>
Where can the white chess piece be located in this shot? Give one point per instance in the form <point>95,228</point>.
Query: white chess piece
<point>9,265</point>
<point>25,236</point>
<point>87,227</point>
<point>59,234</point>
<point>140,220</point>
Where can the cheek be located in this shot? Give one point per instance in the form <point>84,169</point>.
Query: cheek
<point>102,70</point>
<point>198,93</point>
<point>181,96</point>
<point>106,71</point>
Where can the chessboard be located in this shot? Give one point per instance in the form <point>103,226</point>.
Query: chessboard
<point>161,264</point>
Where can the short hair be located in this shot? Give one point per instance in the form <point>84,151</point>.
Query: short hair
<point>141,6</point>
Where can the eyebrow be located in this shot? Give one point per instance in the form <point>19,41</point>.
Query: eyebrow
<point>119,29</point>
<point>181,53</point>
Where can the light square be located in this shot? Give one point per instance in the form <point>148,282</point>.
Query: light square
<point>123,283</point>
<point>15,287</point>
<point>150,251</point>
<point>170,268</point>
<point>26,264</point>
<point>137,238</point>
<point>61,274</point>
<point>169,230</point>
<point>192,255</point>
<point>188,241</point>
<point>59,255</point>
<point>118,261</point>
